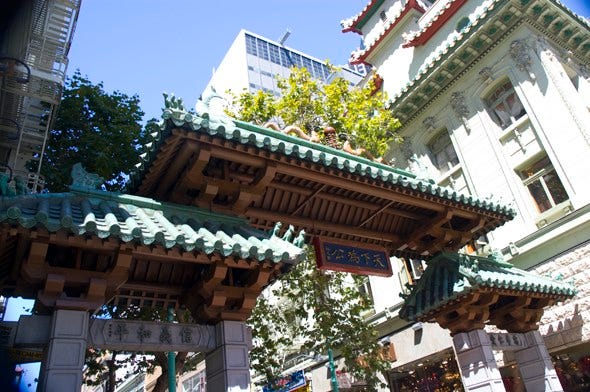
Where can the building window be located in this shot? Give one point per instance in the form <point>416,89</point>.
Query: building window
<point>251,45</point>
<point>543,184</point>
<point>286,60</point>
<point>365,289</point>
<point>442,152</point>
<point>275,56</point>
<point>262,49</point>
<point>504,105</point>
<point>318,71</point>
<point>297,59</point>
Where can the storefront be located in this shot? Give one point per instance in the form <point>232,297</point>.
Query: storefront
<point>438,372</point>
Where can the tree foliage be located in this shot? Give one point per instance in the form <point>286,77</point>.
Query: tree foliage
<point>309,310</point>
<point>99,129</point>
<point>357,113</point>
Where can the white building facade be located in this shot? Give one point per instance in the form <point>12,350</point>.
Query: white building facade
<point>255,63</point>
<point>494,99</point>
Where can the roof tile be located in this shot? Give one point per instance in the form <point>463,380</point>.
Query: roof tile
<point>143,220</point>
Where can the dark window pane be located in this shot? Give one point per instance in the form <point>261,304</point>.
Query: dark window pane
<point>262,49</point>
<point>539,195</point>
<point>251,45</point>
<point>555,187</point>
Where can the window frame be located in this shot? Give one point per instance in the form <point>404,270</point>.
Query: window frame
<point>495,97</point>
<point>434,153</point>
<point>540,177</point>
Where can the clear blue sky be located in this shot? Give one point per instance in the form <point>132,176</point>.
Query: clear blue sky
<point>148,47</point>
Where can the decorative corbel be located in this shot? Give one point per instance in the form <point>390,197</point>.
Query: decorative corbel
<point>429,123</point>
<point>487,75</point>
<point>519,51</point>
<point>460,108</point>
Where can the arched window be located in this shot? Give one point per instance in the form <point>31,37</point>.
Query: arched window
<point>504,106</point>
<point>442,152</point>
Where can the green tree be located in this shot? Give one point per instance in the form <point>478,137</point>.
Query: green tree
<point>308,310</point>
<point>357,113</point>
<point>99,129</point>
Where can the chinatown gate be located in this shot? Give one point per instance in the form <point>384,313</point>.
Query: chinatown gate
<point>199,230</point>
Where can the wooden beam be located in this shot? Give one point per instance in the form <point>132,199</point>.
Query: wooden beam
<point>151,288</point>
<point>374,214</point>
<point>255,190</point>
<point>308,199</point>
<point>240,157</point>
<point>187,149</point>
<point>412,241</point>
<point>314,226</point>
<point>362,186</point>
<point>345,200</point>
<point>191,176</point>
<point>155,170</point>
<point>168,255</point>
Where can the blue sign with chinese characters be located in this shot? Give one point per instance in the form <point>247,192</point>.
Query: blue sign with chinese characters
<point>288,383</point>
<point>356,258</point>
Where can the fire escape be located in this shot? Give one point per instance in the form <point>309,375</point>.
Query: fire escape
<point>33,62</point>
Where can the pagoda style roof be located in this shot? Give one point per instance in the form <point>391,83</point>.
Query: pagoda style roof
<point>493,23</point>
<point>215,162</point>
<point>134,219</point>
<point>463,292</point>
<point>87,247</point>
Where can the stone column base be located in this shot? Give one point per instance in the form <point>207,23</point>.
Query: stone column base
<point>62,370</point>
<point>535,365</point>
<point>479,371</point>
<point>228,366</point>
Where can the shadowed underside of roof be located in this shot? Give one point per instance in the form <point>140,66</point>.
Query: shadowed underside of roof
<point>465,292</point>
<point>217,163</point>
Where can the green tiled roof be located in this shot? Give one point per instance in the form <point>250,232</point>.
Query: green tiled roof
<point>145,221</point>
<point>224,127</point>
<point>452,275</point>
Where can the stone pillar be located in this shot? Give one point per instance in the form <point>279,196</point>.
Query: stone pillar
<point>62,370</point>
<point>477,364</point>
<point>535,365</point>
<point>228,366</point>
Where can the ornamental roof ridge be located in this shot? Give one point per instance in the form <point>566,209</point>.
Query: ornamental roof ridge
<point>138,219</point>
<point>464,274</point>
<point>268,139</point>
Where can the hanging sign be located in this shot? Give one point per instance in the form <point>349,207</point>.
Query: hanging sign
<point>353,257</point>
